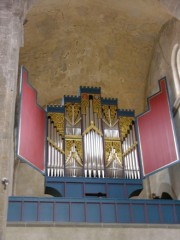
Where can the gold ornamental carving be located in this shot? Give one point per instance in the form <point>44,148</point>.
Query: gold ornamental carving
<point>72,113</point>
<point>58,120</point>
<point>97,105</point>
<point>84,102</point>
<point>78,146</point>
<point>124,125</point>
<point>110,114</point>
<point>115,145</point>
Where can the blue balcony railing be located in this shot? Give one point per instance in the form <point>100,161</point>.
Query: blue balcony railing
<point>29,209</point>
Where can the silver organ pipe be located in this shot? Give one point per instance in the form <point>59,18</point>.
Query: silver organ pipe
<point>85,155</point>
<point>61,158</point>
<point>135,152</point>
<point>52,152</point>
<point>91,110</point>
<point>135,169</point>
<point>130,155</point>
<point>49,148</point>
<point>93,155</point>
<point>55,165</point>
<point>55,152</point>
<point>101,156</point>
<point>58,155</point>
<point>87,118</point>
<point>127,158</point>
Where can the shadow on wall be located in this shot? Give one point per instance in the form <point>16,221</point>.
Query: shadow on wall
<point>166,191</point>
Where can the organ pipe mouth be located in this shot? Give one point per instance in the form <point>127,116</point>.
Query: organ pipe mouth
<point>90,97</point>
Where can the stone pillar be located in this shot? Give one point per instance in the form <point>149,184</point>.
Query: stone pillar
<point>11,34</point>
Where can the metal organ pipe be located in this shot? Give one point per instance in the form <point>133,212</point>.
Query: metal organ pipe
<point>130,155</point>
<point>135,152</point>
<point>55,151</point>
<point>87,117</point>
<point>127,158</point>
<point>58,155</point>
<point>91,110</point>
<point>55,165</point>
<point>94,154</point>
<point>49,148</point>
<point>61,158</point>
<point>52,152</point>
<point>85,155</point>
<point>102,161</point>
<point>135,167</point>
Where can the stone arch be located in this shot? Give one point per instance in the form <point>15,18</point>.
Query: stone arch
<point>175,65</point>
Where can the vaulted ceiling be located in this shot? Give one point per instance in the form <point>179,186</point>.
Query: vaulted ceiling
<point>104,43</point>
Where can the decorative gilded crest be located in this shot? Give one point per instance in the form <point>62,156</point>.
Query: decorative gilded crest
<point>115,154</point>
<point>72,113</point>
<point>58,119</point>
<point>97,105</point>
<point>110,114</point>
<point>124,124</point>
<point>77,145</point>
<point>84,103</point>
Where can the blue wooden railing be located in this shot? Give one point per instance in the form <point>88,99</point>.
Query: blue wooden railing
<point>29,209</point>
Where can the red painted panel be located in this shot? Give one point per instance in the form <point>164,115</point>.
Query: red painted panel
<point>156,134</point>
<point>31,126</point>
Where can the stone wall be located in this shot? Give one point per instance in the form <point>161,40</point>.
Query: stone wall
<point>91,232</point>
<point>11,38</point>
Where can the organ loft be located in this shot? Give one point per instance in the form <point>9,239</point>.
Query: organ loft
<point>88,148</point>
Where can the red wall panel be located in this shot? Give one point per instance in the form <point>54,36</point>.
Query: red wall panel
<point>31,126</point>
<point>156,134</point>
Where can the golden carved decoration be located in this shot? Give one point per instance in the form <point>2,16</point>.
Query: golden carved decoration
<point>110,114</point>
<point>117,146</point>
<point>73,113</point>
<point>108,146</point>
<point>97,105</point>
<point>58,119</point>
<point>84,102</point>
<point>92,127</point>
<point>124,124</point>
<point>78,145</point>
<point>73,137</point>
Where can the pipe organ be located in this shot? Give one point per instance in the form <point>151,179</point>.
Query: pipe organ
<point>91,157</point>
<point>87,147</point>
<point>88,136</point>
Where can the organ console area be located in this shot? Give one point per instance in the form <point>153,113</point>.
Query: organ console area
<point>88,136</point>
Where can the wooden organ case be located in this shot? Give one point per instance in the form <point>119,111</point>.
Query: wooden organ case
<point>90,139</point>
<point>87,147</point>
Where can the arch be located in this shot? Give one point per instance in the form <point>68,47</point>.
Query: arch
<point>175,65</point>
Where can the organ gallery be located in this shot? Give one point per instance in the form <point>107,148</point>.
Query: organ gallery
<point>93,156</point>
